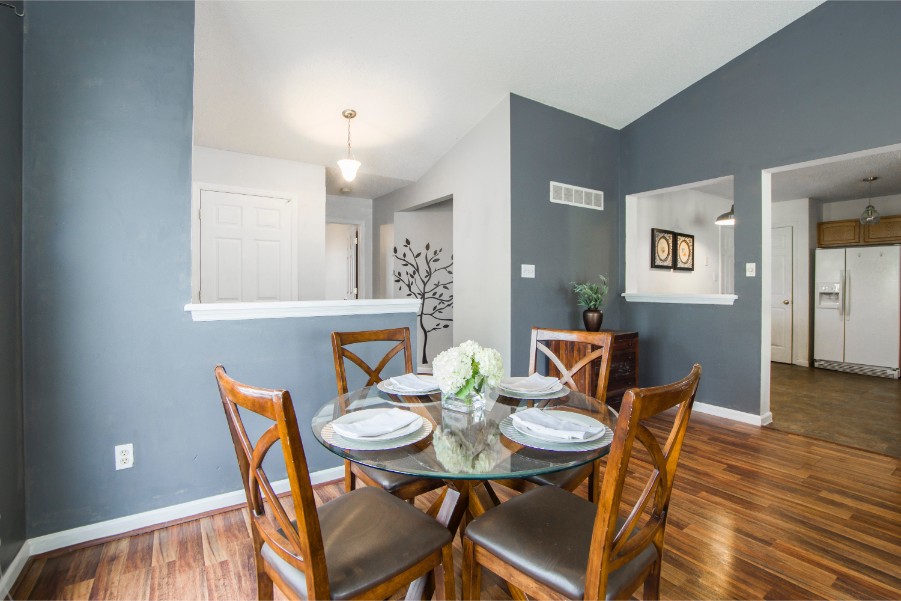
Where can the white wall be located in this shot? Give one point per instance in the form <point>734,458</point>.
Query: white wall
<point>851,209</point>
<point>798,214</point>
<point>686,212</point>
<point>476,173</point>
<point>434,225</point>
<point>346,209</point>
<point>306,182</point>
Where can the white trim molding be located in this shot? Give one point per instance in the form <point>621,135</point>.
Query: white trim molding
<point>682,299</point>
<point>84,534</point>
<point>276,310</point>
<point>733,414</point>
<point>15,568</point>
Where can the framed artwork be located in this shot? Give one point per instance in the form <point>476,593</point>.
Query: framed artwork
<point>662,250</point>
<point>685,252</point>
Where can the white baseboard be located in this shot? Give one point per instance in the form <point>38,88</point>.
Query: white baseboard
<point>739,416</point>
<point>83,534</point>
<point>15,568</point>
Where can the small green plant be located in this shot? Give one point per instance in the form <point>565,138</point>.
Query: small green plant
<point>590,295</point>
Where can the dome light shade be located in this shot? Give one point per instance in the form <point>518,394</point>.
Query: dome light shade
<point>727,218</point>
<point>349,168</point>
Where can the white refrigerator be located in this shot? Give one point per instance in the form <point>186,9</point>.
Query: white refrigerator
<point>857,310</point>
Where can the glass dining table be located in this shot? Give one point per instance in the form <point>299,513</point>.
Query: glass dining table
<point>465,450</point>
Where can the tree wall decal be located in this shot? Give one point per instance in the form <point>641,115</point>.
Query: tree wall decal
<point>429,283</point>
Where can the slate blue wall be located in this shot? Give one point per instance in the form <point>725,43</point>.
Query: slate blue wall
<point>828,84</point>
<point>12,474</point>
<point>565,244</point>
<point>110,355</point>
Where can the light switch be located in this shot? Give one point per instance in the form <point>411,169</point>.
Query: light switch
<point>750,269</point>
<point>528,271</point>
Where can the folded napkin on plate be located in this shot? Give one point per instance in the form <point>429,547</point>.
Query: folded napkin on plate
<point>547,425</point>
<point>411,383</point>
<point>382,423</point>
<point>534,384</point>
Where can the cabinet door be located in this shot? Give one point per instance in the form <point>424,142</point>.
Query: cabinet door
<point>872,319</point>
<point>887,231</point>
<point>838,233</point>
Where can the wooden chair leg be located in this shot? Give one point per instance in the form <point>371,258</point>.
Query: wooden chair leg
<point>350,479</point>
<point>472,572</point>
<point>265,590</point>
<point>652,583</point>
<point>444,577</point>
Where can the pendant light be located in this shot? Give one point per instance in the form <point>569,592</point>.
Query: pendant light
<point>870,214</point>
<point>727,218</point>
<point>349,165</point>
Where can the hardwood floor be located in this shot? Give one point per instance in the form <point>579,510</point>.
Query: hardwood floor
<point>756,514</point>
<point>859,411</point>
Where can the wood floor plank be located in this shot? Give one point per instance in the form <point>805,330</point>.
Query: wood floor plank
<point>756,513</point>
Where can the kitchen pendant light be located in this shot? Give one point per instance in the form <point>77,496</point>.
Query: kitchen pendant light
<point>727,218</point>
<point>870,214</point>
<point>349,165</point>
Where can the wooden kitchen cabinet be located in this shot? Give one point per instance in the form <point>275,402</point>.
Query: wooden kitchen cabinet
<point>887,231</point>
<point>623,366</point>
<point>838,233</point>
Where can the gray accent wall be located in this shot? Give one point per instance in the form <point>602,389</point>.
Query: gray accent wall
<point>825,85</point>
<point>12,439</point>
<point>110,355</point>
<point>566,244</point>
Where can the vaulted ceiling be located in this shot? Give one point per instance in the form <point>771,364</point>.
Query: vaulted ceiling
<point>273,77</point>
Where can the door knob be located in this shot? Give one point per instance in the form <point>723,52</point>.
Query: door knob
<point>785,302</point>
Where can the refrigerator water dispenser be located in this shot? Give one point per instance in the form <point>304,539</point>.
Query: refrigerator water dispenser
<point>829,295</point>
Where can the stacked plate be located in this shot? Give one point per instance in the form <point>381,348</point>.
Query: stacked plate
<point>535,386</point>
<point>556,430</point>
<point>376,429</point>
<point>409,385</point>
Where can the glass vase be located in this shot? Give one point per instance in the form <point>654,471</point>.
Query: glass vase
<point>471,402</point>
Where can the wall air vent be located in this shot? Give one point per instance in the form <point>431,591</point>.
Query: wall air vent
<point>565,194</point>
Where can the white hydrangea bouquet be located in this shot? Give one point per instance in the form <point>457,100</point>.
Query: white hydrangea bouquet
<point>468,370</point>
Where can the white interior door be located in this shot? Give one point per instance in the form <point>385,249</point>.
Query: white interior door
<point>781,299</point>
<point>341,244</point>
<point>246,248</point>
<point>872,316</point>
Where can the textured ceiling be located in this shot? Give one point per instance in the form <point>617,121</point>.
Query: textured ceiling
<point>272,77</point>
<point>841,180</point>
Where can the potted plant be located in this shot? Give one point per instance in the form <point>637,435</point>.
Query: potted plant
<point>591,296</point>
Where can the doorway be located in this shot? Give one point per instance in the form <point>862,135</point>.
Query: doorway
<point>841,406</point>
<point>342,256</point>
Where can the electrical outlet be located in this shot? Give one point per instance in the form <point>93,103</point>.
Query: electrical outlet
<point>125,456</point>
<point>527,271</point>
<point>750,270</point>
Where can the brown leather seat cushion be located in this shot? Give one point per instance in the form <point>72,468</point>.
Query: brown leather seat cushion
<point>369,537</point>
<point>392,481</point>
<point>546,534</point>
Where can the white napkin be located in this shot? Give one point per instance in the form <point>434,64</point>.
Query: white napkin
<point>380,424</point>
<point>547,425</point>
<point>411,383</point>
<point>534,384</point>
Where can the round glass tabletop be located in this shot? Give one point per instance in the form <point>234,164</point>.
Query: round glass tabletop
<point>465,446</point>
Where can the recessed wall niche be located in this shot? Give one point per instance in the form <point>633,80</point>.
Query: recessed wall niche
<point>689,209</point>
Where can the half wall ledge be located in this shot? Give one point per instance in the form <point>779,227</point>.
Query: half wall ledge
<point>278,310</point>
<point>684,299</point>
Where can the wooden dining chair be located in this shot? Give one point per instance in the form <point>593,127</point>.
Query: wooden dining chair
<point>400,485</point>
<point>578,350</point>
<point>550,543</point>
<point>363,544</point>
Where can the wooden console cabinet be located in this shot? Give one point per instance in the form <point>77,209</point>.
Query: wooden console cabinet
<point>623,366</point>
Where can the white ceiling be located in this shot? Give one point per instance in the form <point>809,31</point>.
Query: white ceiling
<point>273,77</point>
<point>842,179</point>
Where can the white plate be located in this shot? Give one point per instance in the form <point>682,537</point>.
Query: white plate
<point>562,392</point>
<point>569,415</point>
<point>522,394</point>
<point>356,416</point>
<point>385,386</point>
<point>606,437</point>
<point>333,438</point>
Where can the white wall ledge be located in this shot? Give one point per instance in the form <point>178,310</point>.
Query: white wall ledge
<point>278,310</point>
<point>683,299</point>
